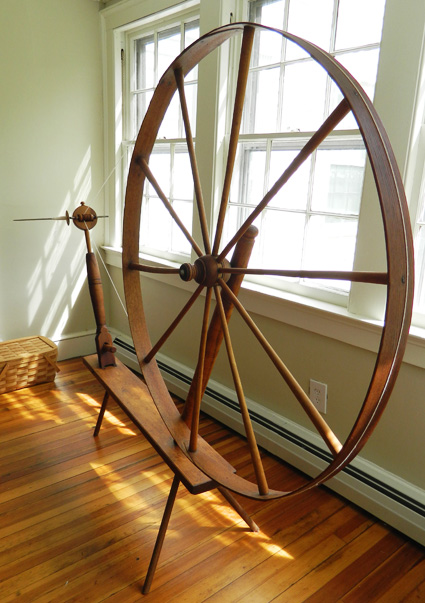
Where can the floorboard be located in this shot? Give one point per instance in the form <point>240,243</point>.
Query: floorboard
<point>79,517</point>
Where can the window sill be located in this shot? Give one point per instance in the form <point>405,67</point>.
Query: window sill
<point>321,318</point>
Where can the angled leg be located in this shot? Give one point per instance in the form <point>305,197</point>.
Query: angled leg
<point>161,535</point>
<point>239,509</point>
<point>101,413</point>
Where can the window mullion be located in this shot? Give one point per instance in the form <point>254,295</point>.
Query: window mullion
<point>309,210</point>
<point>155,45</point>
<point>332,41</point>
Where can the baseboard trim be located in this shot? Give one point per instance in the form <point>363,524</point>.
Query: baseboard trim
<point>387,496</point>
<point>76,344</point>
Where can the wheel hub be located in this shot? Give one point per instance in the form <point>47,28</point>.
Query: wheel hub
<point>205,271</point>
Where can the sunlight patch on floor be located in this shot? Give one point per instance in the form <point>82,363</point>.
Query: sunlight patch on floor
<point>108,416</point>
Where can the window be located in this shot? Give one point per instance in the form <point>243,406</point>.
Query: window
<point>288,97</point>
<point>322,201</point>
<point>150,50</point>
<point>319,208</point>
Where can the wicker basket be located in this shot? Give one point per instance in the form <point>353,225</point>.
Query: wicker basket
<point>27,361</point>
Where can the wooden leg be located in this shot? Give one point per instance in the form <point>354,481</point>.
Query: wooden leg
<point>101,413</point>
<point>161,535</point>
<point>239,509</point>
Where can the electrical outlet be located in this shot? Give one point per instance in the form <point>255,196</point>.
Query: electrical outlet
<point>319,395</point>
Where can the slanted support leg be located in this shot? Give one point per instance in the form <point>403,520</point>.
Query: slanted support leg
<point>239,509</point>
<point>161,535</point>
<point>101,413</point>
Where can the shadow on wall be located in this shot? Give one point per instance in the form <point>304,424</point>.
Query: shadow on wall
<point>48,295</point>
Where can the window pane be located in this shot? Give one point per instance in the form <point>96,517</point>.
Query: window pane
<point>267,49</point>
<point>282,239</point>
<point>294,194</point>
<point>338,181</point>
<point>160,165</point>
<point>153,52</point>
<point>142,103</point>
<point>268,12</point>
<point>182,176</point>
<point>191,93</point>
<point>248,181</point>
<point>255,164</point>
<point>359,23</point>
<point>191,33</point>
<point>330,243</point>
<point>238,176</point>
<point>311,20</point>
<point>168,48</point>
<point>303,97</point>
<point>145,63</point>
<point>179,243</point>
<point>155,225</point>
<point>363,65</point>
<point>335,97</point>
<point>171,125</point>
<point>261,101</point>
<point>235,216</point>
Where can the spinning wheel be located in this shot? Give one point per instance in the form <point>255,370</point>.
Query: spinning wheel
<point>218,277</point>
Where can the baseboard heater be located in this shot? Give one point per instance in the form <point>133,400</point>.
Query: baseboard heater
<point>305,446</point>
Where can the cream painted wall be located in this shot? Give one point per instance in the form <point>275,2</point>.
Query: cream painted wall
<point>51,159</point>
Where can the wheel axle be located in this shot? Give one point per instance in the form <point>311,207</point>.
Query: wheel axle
<point>205,271</point>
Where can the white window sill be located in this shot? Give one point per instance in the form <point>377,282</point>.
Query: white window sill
<point>318,317</point>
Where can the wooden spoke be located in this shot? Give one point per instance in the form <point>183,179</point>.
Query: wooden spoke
<point>173,325</point>
<point>325,129</point>
<point>200,372</point>
<point>377,278</point>
<point>322,427</point>
<point>153,269</point>
<point>194,165</point>
<point>245,57</point>
<point>249,432</point>
<point>143,164</point>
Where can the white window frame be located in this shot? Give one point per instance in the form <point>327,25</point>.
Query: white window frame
<point>341,138</point>
<point>129,39</point>
<point>356,324</point>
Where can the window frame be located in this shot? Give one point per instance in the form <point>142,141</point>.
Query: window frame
<point>356,324</point>
<point>321,292</point>
<point>153,28</point>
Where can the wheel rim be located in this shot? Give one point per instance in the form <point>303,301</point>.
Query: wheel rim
<point>211,269</point>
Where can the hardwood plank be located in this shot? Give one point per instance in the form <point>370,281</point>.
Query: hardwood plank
<point>344,581</point>
<point>79,516</point>
<point>381,578</point>
<point>417,594</point>
<point>408,587</point>
<point>276,555</point>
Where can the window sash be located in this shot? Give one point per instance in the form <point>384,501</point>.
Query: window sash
<point>155,47</point>
<point>280,64</point>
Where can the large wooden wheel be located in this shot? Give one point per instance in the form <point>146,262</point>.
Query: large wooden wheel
<point>212,271</point>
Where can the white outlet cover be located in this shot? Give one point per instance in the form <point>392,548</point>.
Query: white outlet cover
<point>319,395</point>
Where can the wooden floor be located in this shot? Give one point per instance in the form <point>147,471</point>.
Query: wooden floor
<point>79,516</point>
